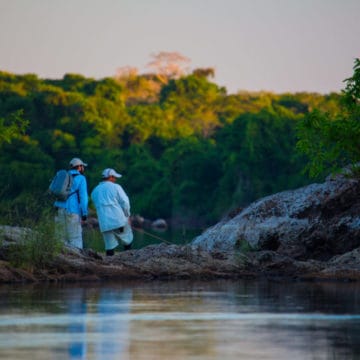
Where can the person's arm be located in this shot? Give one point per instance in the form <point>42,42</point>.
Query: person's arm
<point>123,200</point>
<point>83,197</point>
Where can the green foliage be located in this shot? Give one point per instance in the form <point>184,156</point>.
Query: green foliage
<point>145,182</point>
<point>185,148</point>
<point>12,127</point>
<point>258,157</point>
<point>351,94</point>
<point>332,141</point>
<point>37,248</point>
<point>191,101</point>
<point>38,245</point>
<point>193,168</point>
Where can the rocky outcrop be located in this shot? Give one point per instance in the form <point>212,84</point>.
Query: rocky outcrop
<point>316,222</point>
<point>152,262</point>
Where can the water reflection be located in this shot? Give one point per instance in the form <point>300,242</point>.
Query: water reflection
<point>114,334</point>
<point>181,320</point>
<point>77,307</point>
<point>98,314</point>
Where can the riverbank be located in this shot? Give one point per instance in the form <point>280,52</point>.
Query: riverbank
<point>311,233</point>
<point>182,262</point>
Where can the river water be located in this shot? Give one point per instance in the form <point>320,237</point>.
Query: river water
<point>223,319</point>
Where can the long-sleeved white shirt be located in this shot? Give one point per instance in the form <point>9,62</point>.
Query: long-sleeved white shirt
<point>112,205</point>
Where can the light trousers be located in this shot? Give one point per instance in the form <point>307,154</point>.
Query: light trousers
<point>124,234</point>
<point>68,228</point>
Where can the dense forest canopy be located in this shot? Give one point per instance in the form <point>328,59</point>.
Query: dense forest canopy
<point>187,150</point>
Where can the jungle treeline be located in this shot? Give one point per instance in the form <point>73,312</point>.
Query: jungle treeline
<point>187,150</point>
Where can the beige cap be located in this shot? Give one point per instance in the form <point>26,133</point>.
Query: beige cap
<point>110,172</point>
<point>76,162</point>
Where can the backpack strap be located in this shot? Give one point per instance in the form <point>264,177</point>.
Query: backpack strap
<point>76,191</point>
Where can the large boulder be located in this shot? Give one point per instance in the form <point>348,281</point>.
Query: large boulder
<point>313,222</point>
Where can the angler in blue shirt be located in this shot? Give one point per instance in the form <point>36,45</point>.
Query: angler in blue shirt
<point>73,212</point>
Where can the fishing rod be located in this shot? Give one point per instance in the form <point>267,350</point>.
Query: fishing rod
<point>152,235</point>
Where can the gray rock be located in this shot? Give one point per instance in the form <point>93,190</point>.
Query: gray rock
<point>13,234</point>
<point>315,221</point>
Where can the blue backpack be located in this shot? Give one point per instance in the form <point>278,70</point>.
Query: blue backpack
<point>61,184</point>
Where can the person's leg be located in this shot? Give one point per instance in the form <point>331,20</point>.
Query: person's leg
<point>127,247</point>
<point>110,252</point>
<point>60,224</point>
<point>126,236</point>
<point>110,242</point>
<point>74,230</point>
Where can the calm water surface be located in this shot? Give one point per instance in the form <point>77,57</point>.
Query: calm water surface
<point>181,320</point>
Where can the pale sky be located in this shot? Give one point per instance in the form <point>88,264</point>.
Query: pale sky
<point>253,45</point>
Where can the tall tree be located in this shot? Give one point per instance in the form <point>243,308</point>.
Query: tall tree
<point>169,65</point>
<point>333,141</point>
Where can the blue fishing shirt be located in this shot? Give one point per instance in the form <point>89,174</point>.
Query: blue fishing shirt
<point>77,203</point>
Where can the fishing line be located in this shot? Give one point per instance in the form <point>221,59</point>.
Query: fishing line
<point>152,235</point>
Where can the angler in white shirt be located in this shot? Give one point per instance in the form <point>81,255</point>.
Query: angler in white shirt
<point>113,211</point>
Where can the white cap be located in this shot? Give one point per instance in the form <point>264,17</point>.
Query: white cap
<point>76,162</point>
<point>110,172</point>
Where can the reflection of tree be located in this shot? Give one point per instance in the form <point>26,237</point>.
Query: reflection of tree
<point>173,320</point>
<point>262,335</point>
<point>336,338</point>
<point>175,339</point>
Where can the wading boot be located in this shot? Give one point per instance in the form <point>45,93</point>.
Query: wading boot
<point>127,247</point>
<point>110,252</point>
